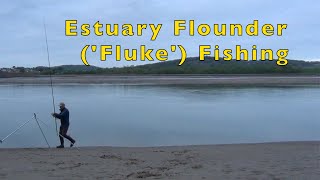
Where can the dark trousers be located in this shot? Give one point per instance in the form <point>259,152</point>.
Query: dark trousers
<point>63,134</point>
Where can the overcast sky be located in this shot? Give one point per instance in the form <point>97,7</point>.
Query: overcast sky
<point>23,41</point>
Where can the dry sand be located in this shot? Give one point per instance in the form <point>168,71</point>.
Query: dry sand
<point>256,80</point>
<point>287,160</point>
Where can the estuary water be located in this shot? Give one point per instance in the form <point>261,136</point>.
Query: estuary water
<point>138,115</point>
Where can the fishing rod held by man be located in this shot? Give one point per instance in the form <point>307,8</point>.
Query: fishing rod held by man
<point>64,119</point>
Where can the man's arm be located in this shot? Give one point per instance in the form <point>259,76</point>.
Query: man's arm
<point>61,115</point>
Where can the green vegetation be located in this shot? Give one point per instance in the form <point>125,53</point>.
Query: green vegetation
<point>191,66</point>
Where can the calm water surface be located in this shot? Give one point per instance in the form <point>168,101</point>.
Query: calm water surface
<point>127,115</point>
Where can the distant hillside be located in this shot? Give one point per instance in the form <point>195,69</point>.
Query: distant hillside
<point>191,66</point>
<point>209,66</point>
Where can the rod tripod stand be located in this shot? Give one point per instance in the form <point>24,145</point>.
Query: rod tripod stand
<point>21,126</point>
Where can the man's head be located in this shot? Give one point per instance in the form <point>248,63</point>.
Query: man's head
<point>62,105</point>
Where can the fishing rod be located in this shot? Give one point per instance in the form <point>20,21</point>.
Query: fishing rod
<point>50,74</point>
<point>51,82</point>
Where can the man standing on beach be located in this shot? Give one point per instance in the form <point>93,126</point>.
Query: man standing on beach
<point>64,119</point>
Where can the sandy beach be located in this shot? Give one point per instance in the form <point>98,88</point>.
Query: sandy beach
<point>286,160</point>
<point>254,80</point>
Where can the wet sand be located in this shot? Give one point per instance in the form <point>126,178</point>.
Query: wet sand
<point>255,80</point>
<point>286,160</point>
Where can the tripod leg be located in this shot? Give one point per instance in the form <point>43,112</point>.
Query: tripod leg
<point>35,117</point>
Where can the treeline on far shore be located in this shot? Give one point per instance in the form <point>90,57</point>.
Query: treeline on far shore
<point>191,66</point>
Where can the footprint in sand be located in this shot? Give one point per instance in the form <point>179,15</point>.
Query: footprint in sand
<point>143,174</point>
<point>111,157</point>
<point>176,162</point>
<point>163,168</point>
<point>3,175</point>
<point>58,163</point>
<point>198,166</point>
<point>74,165</point>
<point>133,161</point>
<point>41,162</point>
<point>180,153</point>
<point>158,151</point>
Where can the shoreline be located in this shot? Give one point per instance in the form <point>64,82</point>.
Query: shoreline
<point>278,160</point>
<point>166,146</point>
<point>257,80</point>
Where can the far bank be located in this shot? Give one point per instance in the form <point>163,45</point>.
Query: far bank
<point>224,80</point>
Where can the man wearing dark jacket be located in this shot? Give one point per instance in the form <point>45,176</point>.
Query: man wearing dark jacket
<point>64,119</point>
